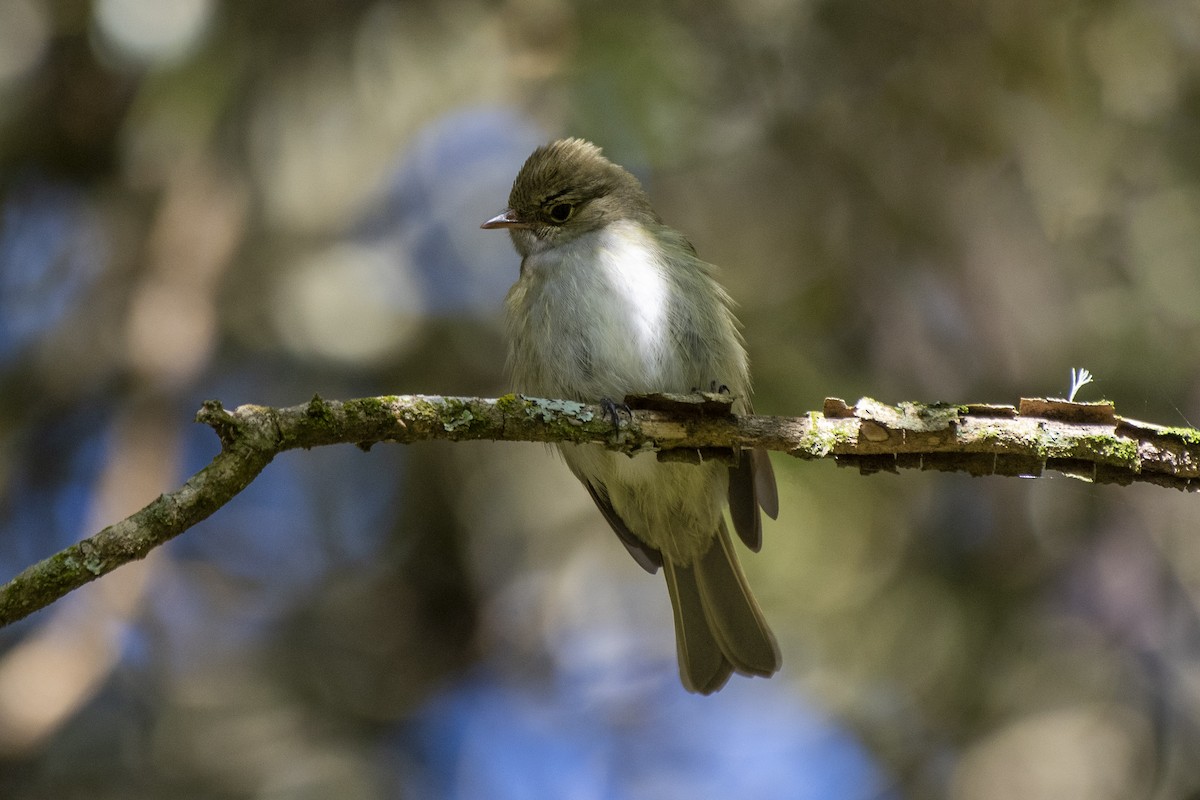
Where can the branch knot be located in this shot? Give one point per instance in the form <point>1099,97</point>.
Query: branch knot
<point>225,424</point>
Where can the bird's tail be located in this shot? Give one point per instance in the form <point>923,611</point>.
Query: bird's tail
<point>719,627</point>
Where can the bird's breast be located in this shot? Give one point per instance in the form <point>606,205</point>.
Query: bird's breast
<point>593,318</point>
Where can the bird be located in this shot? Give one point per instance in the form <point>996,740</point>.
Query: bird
<point>610,301</point>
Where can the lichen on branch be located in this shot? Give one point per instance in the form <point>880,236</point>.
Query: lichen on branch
<point>1084,440</point>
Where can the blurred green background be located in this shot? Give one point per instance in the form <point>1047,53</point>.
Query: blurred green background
<point>255,201</point>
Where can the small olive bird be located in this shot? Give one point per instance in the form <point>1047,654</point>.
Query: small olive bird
<point>610,302</point>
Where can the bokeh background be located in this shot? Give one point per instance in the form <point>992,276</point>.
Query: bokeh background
<point>258,201</point>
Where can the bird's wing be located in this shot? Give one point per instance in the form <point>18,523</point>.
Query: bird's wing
<point>752,486</point>
<point>646,556</point>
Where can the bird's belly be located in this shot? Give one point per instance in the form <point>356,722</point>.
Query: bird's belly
<point>674,508</point>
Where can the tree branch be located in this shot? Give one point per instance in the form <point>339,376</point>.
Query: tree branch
<point>1084,440</point>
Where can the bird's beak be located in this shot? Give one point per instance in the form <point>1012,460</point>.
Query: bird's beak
<point>508,219</point>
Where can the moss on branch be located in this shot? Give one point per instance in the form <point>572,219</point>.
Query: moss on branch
<point>1084,440</point>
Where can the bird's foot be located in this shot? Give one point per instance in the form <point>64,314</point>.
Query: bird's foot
<point>612,410</point>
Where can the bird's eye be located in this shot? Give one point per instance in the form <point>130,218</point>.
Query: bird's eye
<point>561,212</point>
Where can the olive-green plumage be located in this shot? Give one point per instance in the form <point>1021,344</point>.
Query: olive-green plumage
<point>610,301</point>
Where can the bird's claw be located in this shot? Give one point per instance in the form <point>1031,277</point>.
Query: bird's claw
<point>612,410</point>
